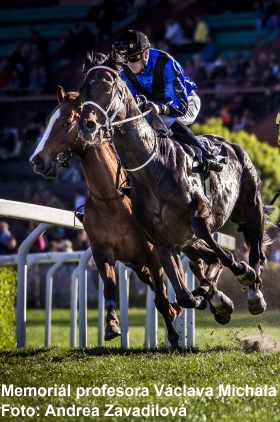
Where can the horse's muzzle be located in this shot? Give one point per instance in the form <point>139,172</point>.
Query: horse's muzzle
<point>87,126</point>
<point>39,167</point>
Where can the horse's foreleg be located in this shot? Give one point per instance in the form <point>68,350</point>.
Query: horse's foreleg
<point>220,304</point>
<point>169,311</point>
<point>154,279</point>
<point>105,262</point>
<point>184,296</point>
<point>208,275</point>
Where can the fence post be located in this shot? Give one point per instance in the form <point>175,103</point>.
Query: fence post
<point>101,311</point>
<point>124,274</point>
<point>151,329</point>
<point>48,301</point>
<point>74,306</point>
<point>22,282</point>
<point>83,296</point>
<point>191,313</point>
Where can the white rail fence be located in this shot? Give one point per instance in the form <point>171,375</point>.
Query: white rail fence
<point>48,217</point>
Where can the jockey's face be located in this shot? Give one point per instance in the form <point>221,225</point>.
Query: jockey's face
<point>138,67</point>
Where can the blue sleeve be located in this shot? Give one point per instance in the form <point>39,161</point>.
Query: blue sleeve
<point>176,87</point>
<point>128,83</point>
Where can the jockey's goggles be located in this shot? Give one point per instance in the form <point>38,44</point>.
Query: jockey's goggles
<point>130,57</point>
<point>133,58</point>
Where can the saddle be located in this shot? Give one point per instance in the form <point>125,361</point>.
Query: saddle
<point>212,144</point>
<point>212,149</point>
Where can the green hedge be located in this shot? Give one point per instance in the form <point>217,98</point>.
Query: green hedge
<point>265,157</point>
<point>7,308</point>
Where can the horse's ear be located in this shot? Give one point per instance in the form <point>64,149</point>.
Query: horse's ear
<point>60,94</point>
<point>88,59</point>
<point>89,56</point>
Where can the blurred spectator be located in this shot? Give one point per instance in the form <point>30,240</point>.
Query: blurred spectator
<point>208,52</point>
<point>8,243</point>
<point>225,115</point>
<point>41,44</point>
<point>81,241</point>
<point>174,33</point>
<point>243,122</point>
<point>10,144</point>
<point>40,243</point>
<point>66,246</point>
<point>38,80</point>
<point>201,31</point>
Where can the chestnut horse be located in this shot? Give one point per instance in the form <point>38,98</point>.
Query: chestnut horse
<point>109,221</point>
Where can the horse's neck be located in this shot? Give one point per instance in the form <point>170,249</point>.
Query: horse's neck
<point>100,168</point>
<point>135,140</point>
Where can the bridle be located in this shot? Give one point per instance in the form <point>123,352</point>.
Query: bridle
<point>108,127</point>
<point>64,157</point>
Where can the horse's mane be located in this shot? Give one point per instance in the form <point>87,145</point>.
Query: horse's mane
<point>97,58</point>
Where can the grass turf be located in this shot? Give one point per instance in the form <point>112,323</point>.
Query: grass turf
<point>219,361</point>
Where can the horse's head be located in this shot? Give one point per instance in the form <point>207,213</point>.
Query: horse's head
<point>59,138</point>
<point>102,96</point>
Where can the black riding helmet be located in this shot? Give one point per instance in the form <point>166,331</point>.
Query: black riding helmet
<point>131,45</point>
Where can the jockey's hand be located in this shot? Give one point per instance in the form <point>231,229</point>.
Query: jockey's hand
<point>157,108</point>
<point>141,102</point>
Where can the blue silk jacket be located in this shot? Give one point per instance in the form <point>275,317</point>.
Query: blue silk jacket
<point>175,87</point>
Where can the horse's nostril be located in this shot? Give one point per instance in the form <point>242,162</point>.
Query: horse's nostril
<point>91,124</point>
<point>38,162</point>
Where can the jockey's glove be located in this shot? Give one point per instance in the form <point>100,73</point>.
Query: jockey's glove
<point>141,101</point>
<point>157,108</point>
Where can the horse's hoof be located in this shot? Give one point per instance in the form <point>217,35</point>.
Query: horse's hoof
<point>222,318</point>
<point>256,301</point>
<point>221,301</point>
<point>173,340</point>
<point>249,276</point>
<point>221,306</point>
<point>112,330</point>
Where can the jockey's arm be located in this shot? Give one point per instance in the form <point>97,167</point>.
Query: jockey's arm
<point>174,90</point>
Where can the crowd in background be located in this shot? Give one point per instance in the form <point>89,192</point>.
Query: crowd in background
<point>57,239</point>
<point>29,70</point>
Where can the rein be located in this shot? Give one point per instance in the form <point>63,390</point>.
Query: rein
<point>109,121</point>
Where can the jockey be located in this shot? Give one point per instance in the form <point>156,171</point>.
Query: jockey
<point>158,77</point>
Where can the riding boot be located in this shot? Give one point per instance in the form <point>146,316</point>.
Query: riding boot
<point>186,136</point>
